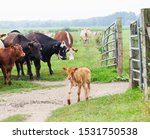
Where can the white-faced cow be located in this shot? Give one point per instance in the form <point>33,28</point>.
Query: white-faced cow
<point>67,39</point>
<point>49,47</point>
<point>32,49</point>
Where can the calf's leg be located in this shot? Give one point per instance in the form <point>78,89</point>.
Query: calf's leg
<point>4,74</point>
<point>69,93</point>
<point>85,91</point>
<point>9,76</point>
<point>88,89</point>
<point>79,91</point>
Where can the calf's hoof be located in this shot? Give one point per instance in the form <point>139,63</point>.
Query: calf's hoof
<point>69,102</point>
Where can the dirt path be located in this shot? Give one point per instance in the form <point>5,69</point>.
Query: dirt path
<point>38,104</point>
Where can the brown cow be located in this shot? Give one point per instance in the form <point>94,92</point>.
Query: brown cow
<point>67,39</point>
<point>80,77</point>
<point>8,56</point>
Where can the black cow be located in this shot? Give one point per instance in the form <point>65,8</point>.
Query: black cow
<point>31,49</point>
<point>49,47</point>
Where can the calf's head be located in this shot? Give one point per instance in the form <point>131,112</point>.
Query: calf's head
<point>70,72</point>
<point>18,51</point>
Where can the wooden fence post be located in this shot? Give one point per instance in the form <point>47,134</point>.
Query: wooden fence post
<point>145,15</point>
<point>120,46</point>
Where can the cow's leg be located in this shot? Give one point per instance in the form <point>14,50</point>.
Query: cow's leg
<point>18,70</point>
<point>79,91</point>
<point>4,74</point>
<point>49,66</point>
<point>22,71</point>
<point>69,93</point>
<point>37,65</point>
<point>29,69</point>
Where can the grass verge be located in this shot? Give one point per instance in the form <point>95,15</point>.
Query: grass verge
<point>15,118</point>
<point>125,107</point>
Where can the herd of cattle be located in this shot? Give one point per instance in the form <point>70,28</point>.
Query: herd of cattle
<point>15,48</point>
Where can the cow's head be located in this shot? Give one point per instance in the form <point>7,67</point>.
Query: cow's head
<point>71,52</point>
<point>69,49</point>
<point>35,49</point>
<point>70,73</point>
<point>62,50</point>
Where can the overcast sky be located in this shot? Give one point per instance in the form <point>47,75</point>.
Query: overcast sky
<point>66,9</point>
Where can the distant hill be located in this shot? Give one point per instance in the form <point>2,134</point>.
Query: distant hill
<point>127,17</point>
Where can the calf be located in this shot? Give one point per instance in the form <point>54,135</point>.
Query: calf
<point>8,56</point>
<point>80,77</point>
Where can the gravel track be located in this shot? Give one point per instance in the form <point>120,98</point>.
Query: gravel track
<point>39,104</point>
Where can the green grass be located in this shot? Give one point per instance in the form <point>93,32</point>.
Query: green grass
<point>15,118</point>
<point>24,85</point>
<point>126,107</point>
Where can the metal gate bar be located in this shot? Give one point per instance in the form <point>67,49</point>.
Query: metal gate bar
<point>136,55</point>
<point>109,47</point>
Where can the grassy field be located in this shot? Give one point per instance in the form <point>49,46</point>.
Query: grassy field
<point>126,107</point>
<point>87,56</point>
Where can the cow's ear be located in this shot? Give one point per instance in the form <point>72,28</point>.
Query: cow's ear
<point>30,44</point>
<point>65,69</point>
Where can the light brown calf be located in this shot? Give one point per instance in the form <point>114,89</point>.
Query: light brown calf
<point>80,77</point>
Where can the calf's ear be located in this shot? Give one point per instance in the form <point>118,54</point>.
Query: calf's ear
<point>64,69</point>
<point>75,69</point>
